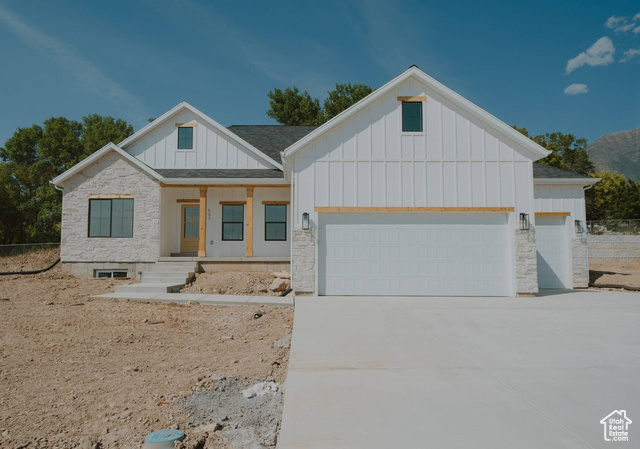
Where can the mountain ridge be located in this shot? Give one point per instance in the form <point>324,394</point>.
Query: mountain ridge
<point>619,152</point>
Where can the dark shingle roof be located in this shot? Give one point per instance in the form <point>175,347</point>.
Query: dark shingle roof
<point>219,173</point>
<point>271,139</point>
<point>545,171</point>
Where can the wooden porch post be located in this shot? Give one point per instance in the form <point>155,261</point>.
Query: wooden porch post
<point>202,241</point>
<point>249,251</point>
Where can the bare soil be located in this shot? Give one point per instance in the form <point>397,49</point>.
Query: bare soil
<point>30,261</point>
<point>615,273</point>
<point>254,283</point>
<point>75,370</point>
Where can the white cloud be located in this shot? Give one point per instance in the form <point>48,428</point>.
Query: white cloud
<point>599,54</point>
<point>630,54</point>
<point>86,73</point>
<point>576,89</point>
<point>623,24</point>
<point>614,21</point>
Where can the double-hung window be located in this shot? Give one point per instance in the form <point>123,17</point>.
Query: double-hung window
<point>111,217</point>
<point>275,222</point>
<point>232,222</point>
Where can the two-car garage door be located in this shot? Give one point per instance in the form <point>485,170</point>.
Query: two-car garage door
<point>418,254</point>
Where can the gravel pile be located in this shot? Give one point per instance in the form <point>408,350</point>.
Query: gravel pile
<point>223,413</point>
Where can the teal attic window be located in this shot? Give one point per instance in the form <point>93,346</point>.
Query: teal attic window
<point>411,116</point>
<point>185,138</point>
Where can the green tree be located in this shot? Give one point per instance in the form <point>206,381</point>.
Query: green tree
<point>567,151</point>
<point>31,158</point>
<point>614,197</point>
<point>290,107</point>
<point>343,97</point>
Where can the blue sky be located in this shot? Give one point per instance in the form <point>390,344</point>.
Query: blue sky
<point>137,59</point>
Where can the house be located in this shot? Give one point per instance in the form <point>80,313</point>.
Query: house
<point>414,190</point>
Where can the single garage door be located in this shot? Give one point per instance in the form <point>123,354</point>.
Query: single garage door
<point>414,254</point>
<point>551,244</point>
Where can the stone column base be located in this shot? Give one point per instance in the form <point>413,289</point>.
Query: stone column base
<point>580,263</point>
<point>526,263</point>
<point>303,262</point>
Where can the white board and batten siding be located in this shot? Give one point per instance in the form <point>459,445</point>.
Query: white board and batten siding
<point>211,148</point>
<point>171,221</point>
<point>458,161</point>
<point>560,198</point>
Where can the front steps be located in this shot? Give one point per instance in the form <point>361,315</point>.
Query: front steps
<point>164,277</point>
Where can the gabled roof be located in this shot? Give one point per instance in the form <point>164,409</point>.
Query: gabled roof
<point>271,139</point>
<point>536,151</point>
<point>186,106</point>
<point>99,154</point>
<point>544,174</point>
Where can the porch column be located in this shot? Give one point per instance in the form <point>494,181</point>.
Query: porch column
<point>202,240</point>
<point>249,233</point>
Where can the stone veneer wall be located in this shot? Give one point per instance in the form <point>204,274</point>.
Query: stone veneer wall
<point>110,175</point>
<point>526,263</point>
<point>580,263</point>
<point>303,270</point>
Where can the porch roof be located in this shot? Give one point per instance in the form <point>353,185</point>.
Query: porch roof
<point>204,173</point>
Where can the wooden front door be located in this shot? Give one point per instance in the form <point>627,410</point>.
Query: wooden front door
<point>190,229</point>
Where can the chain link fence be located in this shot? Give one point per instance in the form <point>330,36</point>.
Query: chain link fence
<point>24,248</point>
<point>609,227</point>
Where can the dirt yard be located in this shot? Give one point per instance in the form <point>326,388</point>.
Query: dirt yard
<point>615,273</point>
<point>76,371</point>
<point>256,283</point>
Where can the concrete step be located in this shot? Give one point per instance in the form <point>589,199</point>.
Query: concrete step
<point>153,277</point>
<point>149,288</point>
<point>165,267</point>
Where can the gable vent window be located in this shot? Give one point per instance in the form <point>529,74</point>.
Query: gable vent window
<point>185,138</point>
<point>412,116</point>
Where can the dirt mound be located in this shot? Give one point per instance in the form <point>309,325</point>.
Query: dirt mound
<point>30,261</point>
<point>232,283</point>
<point>75,369</point>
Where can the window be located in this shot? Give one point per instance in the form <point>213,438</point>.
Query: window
<point>275,222</point>
<point>111,218</point>
<point>412,116</point>
<point>185,138</point>
<point>232,222</point>
<point>108,274</point>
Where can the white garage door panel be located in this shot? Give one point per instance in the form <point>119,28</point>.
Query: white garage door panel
<point>551,245</point>
<point>414,254</point>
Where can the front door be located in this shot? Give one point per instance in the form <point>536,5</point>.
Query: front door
<point>190,231</point>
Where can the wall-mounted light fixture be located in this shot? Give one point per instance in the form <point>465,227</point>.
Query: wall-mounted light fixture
<point>525,225</point>
<point>305,221</point>
<point>579,228</point>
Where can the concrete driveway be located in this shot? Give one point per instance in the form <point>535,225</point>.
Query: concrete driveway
<point>541,372</point>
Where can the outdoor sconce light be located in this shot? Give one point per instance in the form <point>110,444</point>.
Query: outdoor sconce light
<point>525,225</point>
<point>305,221</point>
<point>579,229</point>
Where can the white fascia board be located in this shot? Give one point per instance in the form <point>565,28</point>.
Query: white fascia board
<point>537,151</point>
<point>565,181</point>
<point>225,181</point>
<point>184,105</point>
<point>58,180</point>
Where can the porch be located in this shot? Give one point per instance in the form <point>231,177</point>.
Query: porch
<point>225,224</point>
